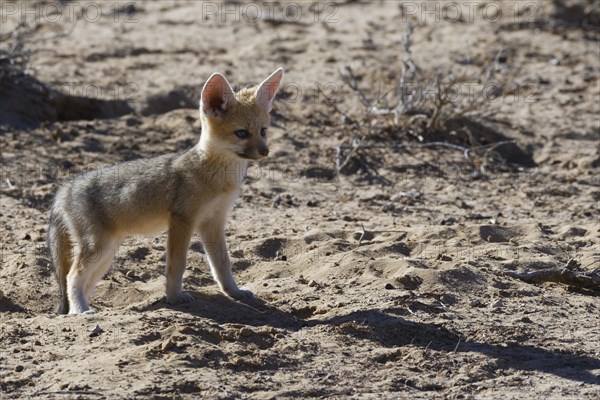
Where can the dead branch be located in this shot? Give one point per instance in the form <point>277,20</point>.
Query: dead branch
<point>278,22</point>
<point>418,145</point>
<point>351,80</point>
<point>465,150</point>
<point>565,276</point>
<point>441,100</point>
<point>356,143</point>
<point>406,102</point>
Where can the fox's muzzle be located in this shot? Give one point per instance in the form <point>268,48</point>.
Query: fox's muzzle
<point>263,151</point>
<point>254,153</point>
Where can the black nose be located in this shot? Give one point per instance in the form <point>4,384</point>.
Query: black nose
<point>264,151</point>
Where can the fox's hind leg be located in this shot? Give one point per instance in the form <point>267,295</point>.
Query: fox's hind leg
<point>90,261</point>
<point>104,263</point>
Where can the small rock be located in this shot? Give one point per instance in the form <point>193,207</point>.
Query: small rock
<point>410,282</point>
<point>444,257</point>
<point>389,207</point>
<point>575,231</point>
<point>465,206</point>
<point>27,236</point>
<point>19,368</point>
<point>133,122</point>
<point>245,332</point>
<point>312,283</point>
<point>277,201</point>
<point>389,286</point>
<point>527,320</point>
<point>497,304</point>
<point>96,331</point>
<point>474,302</point>
<point>365,235</point>
<point>280,257</point>
<point>167,345</point>
<point>145,276</point>
<point>411,194</point>
<point>448,221</point>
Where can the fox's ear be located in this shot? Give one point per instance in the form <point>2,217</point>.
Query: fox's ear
<point>217,96</point>
<point>267,89</point>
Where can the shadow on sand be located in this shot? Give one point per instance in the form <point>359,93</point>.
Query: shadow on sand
<point>392,331</point>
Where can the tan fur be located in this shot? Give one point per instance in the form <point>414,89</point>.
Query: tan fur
<point>183,193</point>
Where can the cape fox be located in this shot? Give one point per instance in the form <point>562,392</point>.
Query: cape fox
<point>183,193</point>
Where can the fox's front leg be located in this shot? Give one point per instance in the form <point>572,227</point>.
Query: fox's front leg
<point>213,239</point>
<point>180,233</point>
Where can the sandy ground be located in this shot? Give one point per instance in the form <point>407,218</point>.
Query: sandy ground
<point>421,307</point>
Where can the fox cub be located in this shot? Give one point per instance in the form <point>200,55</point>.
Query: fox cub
<point>183,193</point>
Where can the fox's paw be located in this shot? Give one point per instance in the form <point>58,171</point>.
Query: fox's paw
<point>81,310</point>
<point>180,298</point>
<point>240,294</point>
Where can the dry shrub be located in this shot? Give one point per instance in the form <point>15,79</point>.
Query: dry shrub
<point>435,109</point>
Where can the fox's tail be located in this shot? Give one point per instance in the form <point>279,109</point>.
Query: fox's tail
<point>62,256</point>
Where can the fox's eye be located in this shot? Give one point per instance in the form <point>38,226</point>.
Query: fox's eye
<point>263,132</point>
<point>242,134</point>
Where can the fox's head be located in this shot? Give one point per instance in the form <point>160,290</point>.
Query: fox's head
<point>235,124</point>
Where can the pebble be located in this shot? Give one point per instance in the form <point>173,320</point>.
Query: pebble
<point>497,304</point>
<point>312,283</point>
<point>474,302</point>
<point>145,276</point>
<point>167,345</point>
<point>245,332</point>
<point>444,257</point>
<point>96,331</point>
<point>388,286</point>
<point>19,368</point>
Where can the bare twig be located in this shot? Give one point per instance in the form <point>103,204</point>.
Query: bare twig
<point>457,344</point>
<point>351,80</point>
<point>70,393</point>
<point>356,143</point>
<point>362,235</point>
